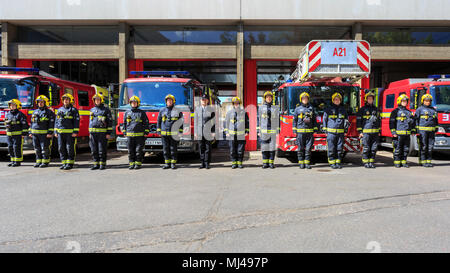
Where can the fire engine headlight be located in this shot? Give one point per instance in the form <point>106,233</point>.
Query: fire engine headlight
<point>292,143</point>
<point>184,143</point>
<point>441,130</point>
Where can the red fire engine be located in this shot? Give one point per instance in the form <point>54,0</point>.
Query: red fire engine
<point>27,84</point>
<point>436,85</point>
<point>152,87</point>
<point>324,67</point>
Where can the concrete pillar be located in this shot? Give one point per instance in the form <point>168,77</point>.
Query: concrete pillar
<point>9,35</point>
<point>357,31</point>
<point>240,61</point>
<point>123,52</point>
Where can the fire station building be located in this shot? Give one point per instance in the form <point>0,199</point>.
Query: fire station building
<point>242,45</point>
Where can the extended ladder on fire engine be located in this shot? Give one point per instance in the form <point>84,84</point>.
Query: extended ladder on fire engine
<point>324,60</point>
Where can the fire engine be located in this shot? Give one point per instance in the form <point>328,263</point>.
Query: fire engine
<point>436,85</point>
<point>324,67</point>
<point>26,84</point>
<point>152,87</point>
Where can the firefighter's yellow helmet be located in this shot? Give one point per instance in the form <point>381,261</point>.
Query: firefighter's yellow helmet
<point>402,97</point>
<point>136,99</point>
<point>98,96</point>
<point>335,95</point>
<point>16,102</point>
<point>303,95</point>
<point>268,93</point>
<point>426,97</point>
<point>42,98</point>
<point>69,96</point>
<point>170,96</point>
<point>236,99</point>
<point>369,94</point>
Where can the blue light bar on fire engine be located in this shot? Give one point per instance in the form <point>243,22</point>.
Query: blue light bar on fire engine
<point>160,73</point>
<point>19,69</point>
<point>436,77</point>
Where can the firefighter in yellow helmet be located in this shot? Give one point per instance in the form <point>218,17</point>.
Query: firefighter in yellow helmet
<point>335,124</point>
<point>41,130</point>
<point>100,129</point>
<point>368,124</point>
<point>268,128</point>
<point>135,128</point>
<point>303,126</point>
<point>16,127</point>
<point>401,124</point>
<point>236,130</point>
<point>170,127</point>
<point>67,126</point>
<point>426,126</point>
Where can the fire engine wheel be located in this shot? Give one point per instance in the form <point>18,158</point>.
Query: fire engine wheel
<point>414,146</point>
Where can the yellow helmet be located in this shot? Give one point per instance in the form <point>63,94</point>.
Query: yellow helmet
<point>368,95</point>
<point>16,102</point>
<point>136,99</point>
<point>170,96</point>
<point>98,96</point>
<point>268,93</point>
<point>426,97</point>
<point>402,97</point>
<point>336,95</point>
<point>236,99</point>
<point>69,96</point>
<point>42,98</point>
<point>304,94</point>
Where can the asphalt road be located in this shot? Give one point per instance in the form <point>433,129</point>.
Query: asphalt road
<point>225,210</point>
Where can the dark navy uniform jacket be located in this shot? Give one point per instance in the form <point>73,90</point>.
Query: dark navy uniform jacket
<point>100,120</point>
<point>368,119</point>
<point>67,120</point>
<point>170,118</point>
<point>335,119</point>
<point>135,123</point>
<point>401,121</point>
<point>426,119</point>
<point>42,121</point>
<point>304,119</point>
<point>16,123</point>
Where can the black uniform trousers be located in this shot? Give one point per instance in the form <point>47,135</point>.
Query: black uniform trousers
<point>401,148</point>
<point>204,147</point>
<point>426,143</point>
<point>135,149</point>
<point>99,147</point>
<point>66,146</point>
<point>15,148</point>
<point>170,149</point>
<point>370,147</point>
<point>42,148</point>
<point>335,143</point>
<point>268,147</point>
<point>237,148</point>
<point>304,142</point>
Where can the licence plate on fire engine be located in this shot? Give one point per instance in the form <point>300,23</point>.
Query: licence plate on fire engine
<point>153,141</point>
<point>320,147</point>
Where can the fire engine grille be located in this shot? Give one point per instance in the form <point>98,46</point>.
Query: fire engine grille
<point>152,128</point>
<point>2,126</point>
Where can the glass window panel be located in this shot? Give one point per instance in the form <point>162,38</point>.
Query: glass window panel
<point>401,35</point>
<point>68,34</point>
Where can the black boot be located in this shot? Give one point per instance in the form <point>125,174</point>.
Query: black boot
<point>202,166</point>
<point>397,165</point>
<point>137,167</point>
<point>63,166</point>
<point>234,166</point>
<point>131,167</point>
<point>95,167</point>
<point>43,165</point>
<point>333,166</point>
<point>37,165</point>
<point>307,166</point>
<point>265,166</point>
<point>272,166</point>
<point>207,166</point>
<point>302,166</point>
<point>166,166</point>
<point>173,166</point>
<point>10,164</point>
<point>68,167</point>
<point>405,165</point>
<point>372,165</point>
<point>16,164</point>
<point>367,165</point>
<point>102,167</point>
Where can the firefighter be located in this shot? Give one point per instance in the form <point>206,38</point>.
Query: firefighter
<point>170,128</point>
<point>368,124</point>
<point>41,130</point>
<point>100,128</point>
<point>236,130</point>
<point>16,127</point>
<point>67,126</point>
<point>135,127</point>
<point>401,124</point>
<point>268,126</point>
<point>304,125</point>
<point>426,126</point>
<point>335,124</point>
<point>204,122</point>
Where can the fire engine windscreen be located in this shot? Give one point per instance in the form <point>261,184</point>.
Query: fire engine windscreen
<point>16,89</point>
<point>442,97</point>
<point>152,94</point>
<point>320,97</point>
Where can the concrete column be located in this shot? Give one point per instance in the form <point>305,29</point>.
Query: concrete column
<point>357,31</point>
<point>240,61</point>
<point>123,52</point>
<point>9,35</point>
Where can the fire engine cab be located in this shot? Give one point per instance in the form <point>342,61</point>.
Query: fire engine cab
<point>152,87</point>
<point>436,85</point>
<point>26,84</point>
<point>324,67</point>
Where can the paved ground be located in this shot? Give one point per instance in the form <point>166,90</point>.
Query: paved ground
<point>225,210</point>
